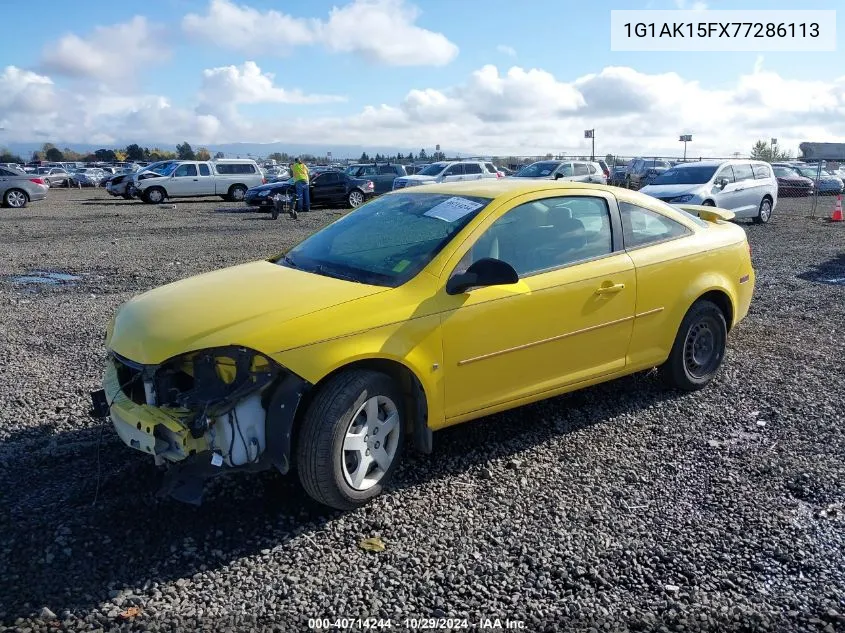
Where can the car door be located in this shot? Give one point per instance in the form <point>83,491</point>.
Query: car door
<point>724,195</point>
<point>566,321</point>
<point>743,192</point>
<point>473,171</point>
<point>453,173</point>
<point>327,188</point>
<point>383,181</point>
<point>580,173</point>
<point>564,171</point>
<point>183,181</point>
<point>204,183</point>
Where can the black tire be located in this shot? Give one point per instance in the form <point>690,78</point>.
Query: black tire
<point>274,212</point>
<point>320,454</point>
<point>708,203</point>
<point>154,195</point>
<point>699,348</point>
<point>764,213</point>
<point>237,193</point>
<point>126,196</point>
<point>15,199</point>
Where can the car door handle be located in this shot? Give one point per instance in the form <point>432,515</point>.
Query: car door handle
<point>196,179</point>
<point>606,289</point>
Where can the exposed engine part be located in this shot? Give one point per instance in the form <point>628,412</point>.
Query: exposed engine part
<point>240,434</point>
<point>212,381</point>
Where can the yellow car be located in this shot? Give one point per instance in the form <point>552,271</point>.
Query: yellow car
<point>419,310</point>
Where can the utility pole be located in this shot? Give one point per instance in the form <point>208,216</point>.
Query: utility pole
<point>591,134</point>
<point>685,138</point>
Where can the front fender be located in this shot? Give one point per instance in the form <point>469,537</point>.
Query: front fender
<point>416,344</point>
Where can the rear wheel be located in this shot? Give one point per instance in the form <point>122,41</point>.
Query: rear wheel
<point>15,199</point>
<point>708,203</point>
<point>350,441</point>
<point>355,198</point>
<point>237,193</point>
<point>764,214</point>
<point>699,348</point>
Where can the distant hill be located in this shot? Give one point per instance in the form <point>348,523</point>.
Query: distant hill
<point>243,149</point>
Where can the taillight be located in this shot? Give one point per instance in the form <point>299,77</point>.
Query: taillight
<point>370,184</point>
<point>37,181</point>
<point>263,181</point>
<point>606,173</point>
<point>499,174</point>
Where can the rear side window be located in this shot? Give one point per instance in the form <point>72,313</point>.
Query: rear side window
<point>387,169</point>
<point>761,171</point>
<point>581,169</point>
<point>204,170</point>
<point>642,227</point>
<point>743,172</point>
<point>229,169</point>
<point>491,168</point>
<point>472,168</point>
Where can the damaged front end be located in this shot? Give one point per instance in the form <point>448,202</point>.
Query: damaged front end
<point>204,413</point>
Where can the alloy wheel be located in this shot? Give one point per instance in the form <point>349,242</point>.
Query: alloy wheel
<point>16,199</point>
<point>356,198</point>
<point>370,443</point>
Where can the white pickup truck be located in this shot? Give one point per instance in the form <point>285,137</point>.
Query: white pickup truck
<point>228,178</point>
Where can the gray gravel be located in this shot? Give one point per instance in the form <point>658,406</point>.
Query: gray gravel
<point>621,507</point>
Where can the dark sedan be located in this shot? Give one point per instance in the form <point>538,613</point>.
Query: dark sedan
<point>329,188</point>
<point>791,184</point>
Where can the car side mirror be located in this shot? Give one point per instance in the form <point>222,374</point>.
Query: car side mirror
<point>558,176</point>
<point>723,182</point>
<point>485,272</point>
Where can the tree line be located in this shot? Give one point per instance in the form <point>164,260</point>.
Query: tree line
<point>132,152</point>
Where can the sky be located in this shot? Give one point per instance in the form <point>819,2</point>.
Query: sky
<point>493,77</point>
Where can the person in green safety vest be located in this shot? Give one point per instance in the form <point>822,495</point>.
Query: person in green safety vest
<point>300,179</point>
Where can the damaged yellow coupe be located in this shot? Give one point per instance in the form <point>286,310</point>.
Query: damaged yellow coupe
<point>419,310</point>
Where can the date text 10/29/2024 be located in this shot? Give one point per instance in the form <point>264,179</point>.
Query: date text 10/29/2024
<point>421,624</point>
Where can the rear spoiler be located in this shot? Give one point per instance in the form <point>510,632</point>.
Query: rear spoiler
<point>710,214</point>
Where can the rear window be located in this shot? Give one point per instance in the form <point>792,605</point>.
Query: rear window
<point>235,168</point>
<point>761,171</point>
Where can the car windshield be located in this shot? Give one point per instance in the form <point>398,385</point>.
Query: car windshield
<point>688,175</point>
<point>785,172</point>
<point>432,170</point>
<point>538,170</point>
<point>810,172</point>
<point>387,241</point>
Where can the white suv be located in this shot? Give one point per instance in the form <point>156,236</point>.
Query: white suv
<point>228,178</point>
<point>448,171</point>
<point>746,187</point>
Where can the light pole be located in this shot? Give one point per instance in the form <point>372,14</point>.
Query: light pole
<point>591,134</point>
<point>685,138</point>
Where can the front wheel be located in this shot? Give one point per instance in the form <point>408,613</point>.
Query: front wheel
<point>350,441</point>
<point>355,198</point>
<point>154,195</point>
<point>699,348</point>
<point>708,203</point>
<point>764,214</point>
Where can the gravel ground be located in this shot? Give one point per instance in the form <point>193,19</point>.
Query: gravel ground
<point>621,507</point>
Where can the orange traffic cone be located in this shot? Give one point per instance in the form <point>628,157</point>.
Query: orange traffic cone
<point>836,216</point>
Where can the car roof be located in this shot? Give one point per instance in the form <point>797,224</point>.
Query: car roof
<point>506,187</point>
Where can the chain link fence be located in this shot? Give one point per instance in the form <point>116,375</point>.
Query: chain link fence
<point>808,189</point>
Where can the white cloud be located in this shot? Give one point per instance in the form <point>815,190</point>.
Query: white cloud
<point>242,28</point>
<point>382,31</point>
<point>109,53</point>
<point>493,110</point>
<point>504,49</point>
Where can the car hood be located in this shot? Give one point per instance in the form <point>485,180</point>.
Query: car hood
<point>239,305</point>
<point>271,186</point>
<point>664,191</point>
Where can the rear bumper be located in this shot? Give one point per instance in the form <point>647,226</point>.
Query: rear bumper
<point>35,196</point>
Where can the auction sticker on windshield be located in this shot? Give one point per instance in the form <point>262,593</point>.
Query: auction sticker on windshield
<point>453,209</point>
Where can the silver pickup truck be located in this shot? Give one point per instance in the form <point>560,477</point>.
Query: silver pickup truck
<point>228,178</point>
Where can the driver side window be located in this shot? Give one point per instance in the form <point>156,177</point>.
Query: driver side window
<point>725,172</point>
<point>545,234</point>
<point>186,170</point>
